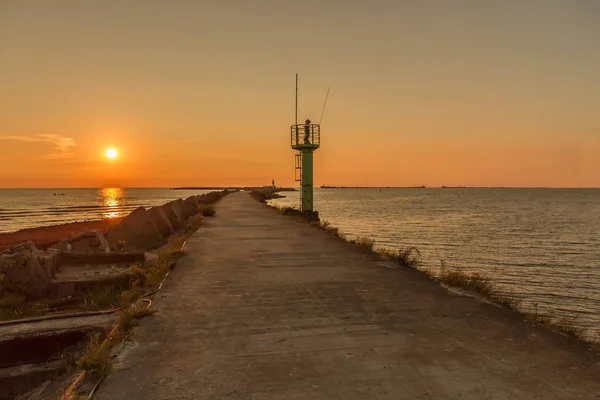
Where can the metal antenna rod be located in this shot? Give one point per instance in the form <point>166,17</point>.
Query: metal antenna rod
<point>296,98</point>
<point>324,104</point>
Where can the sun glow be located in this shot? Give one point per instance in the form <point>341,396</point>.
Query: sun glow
<point>111,153</point>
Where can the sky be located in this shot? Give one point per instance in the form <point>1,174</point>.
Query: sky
<point>195,93</point>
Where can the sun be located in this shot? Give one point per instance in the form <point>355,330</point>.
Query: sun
<point>111,153</point>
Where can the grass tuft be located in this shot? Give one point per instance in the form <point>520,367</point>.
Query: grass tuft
<point>11,301</point>
<point>472,281</point>
<point>477,283</point>
<point>131,295</point>
<point>408,257</point>
<point>137,275</point>
<point>568,327</point>
<point>193,224</point>
<point>327,227</point>
<point>129,318</point>
<point>208,210</point>
<point>102,297</point>
<point>95,360</point>
<point>363,241</point>
<point>287,210</point>
<point>564,325</point>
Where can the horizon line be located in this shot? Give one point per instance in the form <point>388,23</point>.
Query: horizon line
<point>284,187</point>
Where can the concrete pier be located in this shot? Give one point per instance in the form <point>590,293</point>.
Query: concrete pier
<point>266,307</point>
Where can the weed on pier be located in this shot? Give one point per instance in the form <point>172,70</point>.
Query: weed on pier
<point>564,325</point>
<point>95,360</point>
<point>364,242</point>
<point>408,257</point>
<point>208,211</point>
<point>327,227</point>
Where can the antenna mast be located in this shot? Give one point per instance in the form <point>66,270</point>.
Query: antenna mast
<point>296,98</point>
<point>324,104</point>
<point>305,138</point>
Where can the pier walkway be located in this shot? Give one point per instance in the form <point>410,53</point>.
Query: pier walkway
<point>266,307</point>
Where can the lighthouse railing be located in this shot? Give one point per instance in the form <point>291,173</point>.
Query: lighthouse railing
<point>305,136</point>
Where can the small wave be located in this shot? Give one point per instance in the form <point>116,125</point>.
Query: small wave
<point>92,206</point>
<point>43,212</point>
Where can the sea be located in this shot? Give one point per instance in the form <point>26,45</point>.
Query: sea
<point>28,208</point>
<point>541,246</point>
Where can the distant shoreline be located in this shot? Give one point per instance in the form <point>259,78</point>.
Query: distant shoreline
<point>457,187</point>
<point>247,188</point>
<point>380,187</point>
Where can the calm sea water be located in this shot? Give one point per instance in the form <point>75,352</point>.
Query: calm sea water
<point>540,245</point>
<point>27,208</point>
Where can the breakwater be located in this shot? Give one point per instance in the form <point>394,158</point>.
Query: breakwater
<point>54,300</point>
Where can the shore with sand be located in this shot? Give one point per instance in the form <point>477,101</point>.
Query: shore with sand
<point>45,236</point>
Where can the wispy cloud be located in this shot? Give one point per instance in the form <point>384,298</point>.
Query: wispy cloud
<point>62,146</point>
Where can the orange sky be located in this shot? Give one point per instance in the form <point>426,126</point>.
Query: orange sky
<point>201,92</point>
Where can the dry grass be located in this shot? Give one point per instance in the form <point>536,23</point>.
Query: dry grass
<point>408,257</point>
<point>102,297</point>
<point>327,227</point>
<point>209,210</point>
<point>137,275</point>
<point>14,306</point>
<point>568,327</point>
<point>11,301</point>
<point>129,318</point>
<point>477,283</point>
<point>194,223</point>
<point>287,210</point>
<point>564,325</point>
<point>472,281</point>
<point>95,360</point>
<point>172,248</point>
<point>484,286</point>
<point>130,296</point>
<point>364,242</point>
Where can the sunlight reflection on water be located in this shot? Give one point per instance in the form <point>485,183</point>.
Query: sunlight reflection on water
<point>112,199</point>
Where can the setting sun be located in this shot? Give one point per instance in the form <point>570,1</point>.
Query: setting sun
<point>111,153</point>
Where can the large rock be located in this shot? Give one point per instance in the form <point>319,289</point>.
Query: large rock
<point>50,261</point>
<point>191,205</point>
<point>162,222</point>
<point>86,242</point>
<point>183,211</point>
<point>209,198</point>
<point>21,271</point>
<point>173,213</point>
<point>136,232</point>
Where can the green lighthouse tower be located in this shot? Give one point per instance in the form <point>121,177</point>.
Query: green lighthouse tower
<point>305,138</point>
